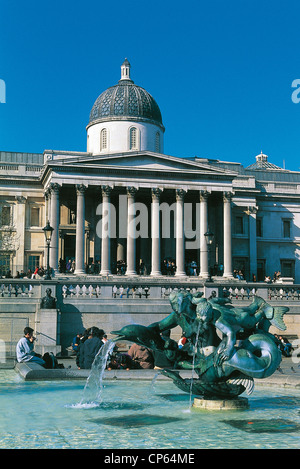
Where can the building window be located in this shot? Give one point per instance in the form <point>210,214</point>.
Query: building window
<point>239,225</point>
<point>259,230</point>
<point>34,216</point>
<point>103,139</point>
<point>286,228</point>
<point>133,139</point>
<point>157,142</point>
<point>261,270</point>
<point>4,264</point>
<point>6,216</point>
<point>33,262</point>
<point>287,268</point>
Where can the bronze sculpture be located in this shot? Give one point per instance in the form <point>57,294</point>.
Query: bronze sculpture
<point>226,346</point>
<point>48,301</point>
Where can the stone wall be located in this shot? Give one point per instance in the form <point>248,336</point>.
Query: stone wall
<point>112,303</point>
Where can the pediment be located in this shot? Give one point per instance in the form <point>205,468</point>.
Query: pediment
<point>144,161</point>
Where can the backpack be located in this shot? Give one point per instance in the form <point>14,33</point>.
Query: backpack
<point>51,361</point>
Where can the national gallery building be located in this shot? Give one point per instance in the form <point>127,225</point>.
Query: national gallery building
<point>123,206</point>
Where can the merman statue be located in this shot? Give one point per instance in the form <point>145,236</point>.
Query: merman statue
<point>226,346</point>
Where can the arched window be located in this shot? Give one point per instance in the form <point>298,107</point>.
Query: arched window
<point>157,142</point>
<point>103,139</point>
<point>133,139</point>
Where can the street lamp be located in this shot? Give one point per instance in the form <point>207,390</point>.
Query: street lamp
<point>48,230</point>
<point>209,236</point>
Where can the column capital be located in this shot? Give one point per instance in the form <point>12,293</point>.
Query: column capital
<point>47,193</point>
<point>81,189</point>
<point>21,199</point>
<point>54,188</point>
<point>180,193</point>
<point>156,193</point>
<point>251,210</point>
<point>227,196</point>
<point>106,190</point>
<point>204,195</point>
<point>131,191</point>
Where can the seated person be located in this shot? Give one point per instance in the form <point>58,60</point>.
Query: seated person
<point>90,347</point>
<point>119,361</point>
<point>141,357</point>
<point>24,349</point>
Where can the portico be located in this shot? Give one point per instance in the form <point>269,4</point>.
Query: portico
<point>135,212</point>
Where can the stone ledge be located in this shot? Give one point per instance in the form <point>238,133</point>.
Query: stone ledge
<point>283,381</point>
<point>34,372</point>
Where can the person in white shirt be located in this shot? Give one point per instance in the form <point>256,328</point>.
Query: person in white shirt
<point>24,349</point>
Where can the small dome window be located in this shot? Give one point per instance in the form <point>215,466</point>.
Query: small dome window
<point>133,138</point>
<point>103,139</point>
<point>157,142</point>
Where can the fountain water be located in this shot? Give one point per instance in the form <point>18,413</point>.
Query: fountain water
<point>93,387</point>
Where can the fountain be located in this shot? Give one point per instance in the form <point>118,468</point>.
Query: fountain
<point>227,346</point>
<point>226,349</point>
<point>93,387</point>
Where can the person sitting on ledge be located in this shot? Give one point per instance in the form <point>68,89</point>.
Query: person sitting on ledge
<point>25,352</point>
<point>141,357</point>
<point>89,347</point>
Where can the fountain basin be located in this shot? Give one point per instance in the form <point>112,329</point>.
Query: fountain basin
<point>139,414</point>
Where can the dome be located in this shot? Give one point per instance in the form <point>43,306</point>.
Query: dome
<point>125,101</point>
<point>262,163</point>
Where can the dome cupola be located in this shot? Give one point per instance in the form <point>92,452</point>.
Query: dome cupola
<point>125,117</point>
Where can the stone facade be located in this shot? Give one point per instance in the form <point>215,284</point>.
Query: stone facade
<point>168,204</point>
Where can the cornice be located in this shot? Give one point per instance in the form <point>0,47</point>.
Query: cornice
<point>168,174</point>
<point>126,119</point>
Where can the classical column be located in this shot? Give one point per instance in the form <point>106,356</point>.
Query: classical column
<point>131,234</point>
<point>47,195</point>
<point>155,232</point>
<point>47,216</point>
<point>227,235</point>
<point>80,230</point>
<point>20,221</point>
<point>54,222</point>
<point>180,240</point>
<point>106,231</point>
<point>252,242</point>
<point>204,273</point>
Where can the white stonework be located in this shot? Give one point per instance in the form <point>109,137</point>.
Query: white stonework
<point>118,137</point>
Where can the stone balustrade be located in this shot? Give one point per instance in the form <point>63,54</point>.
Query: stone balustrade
<point>18,288</point>
<point>284,293</point>
<point>143,288</point>
<point>83,290</point>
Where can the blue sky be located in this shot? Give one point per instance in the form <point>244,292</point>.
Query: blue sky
<point>220,71</point>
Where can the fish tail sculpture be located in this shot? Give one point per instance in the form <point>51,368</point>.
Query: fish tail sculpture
<point>258,358</point>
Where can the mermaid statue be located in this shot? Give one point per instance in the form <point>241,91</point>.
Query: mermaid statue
<point>227,347</point>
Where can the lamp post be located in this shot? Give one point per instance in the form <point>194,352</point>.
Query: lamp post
<point>209,236</point>
<point>48,230</point>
